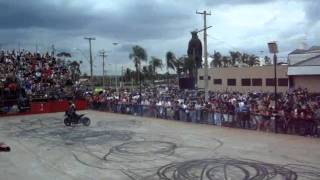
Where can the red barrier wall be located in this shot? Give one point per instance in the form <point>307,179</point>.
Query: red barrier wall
<point>40,107</point>
<point>81,104</point>
<point>58,106</point>
<point>51,107</point>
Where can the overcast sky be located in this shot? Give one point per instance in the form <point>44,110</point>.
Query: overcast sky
<point>156,25</point>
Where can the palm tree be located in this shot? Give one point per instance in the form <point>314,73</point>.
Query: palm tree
<point>253,60</point>
<point>235,57</point>
<point>155,63</point>
<point>179,65</point>
<point>74,68</point>
<point>267,60</point>
<point>64,54</point>
<point>188,65</point>
<point>171,61</point>
<point>216,59</point>
<point>145,74</point>
<point>226,61</point>
<point>138,54</point>
<point>128,74</point>
<point>244,58</point>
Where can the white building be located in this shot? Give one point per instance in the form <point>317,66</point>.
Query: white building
<point>304,69</point>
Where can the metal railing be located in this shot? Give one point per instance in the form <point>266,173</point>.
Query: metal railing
<point>252,121</point>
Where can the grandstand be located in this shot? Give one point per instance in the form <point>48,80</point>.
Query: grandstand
<point>27,77</point>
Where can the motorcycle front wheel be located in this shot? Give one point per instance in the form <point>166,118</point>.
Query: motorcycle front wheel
<point>86,121</point>
<point>67,122</point>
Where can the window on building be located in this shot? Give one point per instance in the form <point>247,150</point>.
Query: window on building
<point>246,82</point>
<point>209,77</point>
<point>217,81</point>
<point>201,78</point>
<point>270,82</point>
<point>232,82</point>
<point>283,82</point>
<point>256,82</point>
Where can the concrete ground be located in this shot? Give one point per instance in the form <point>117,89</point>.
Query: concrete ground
<point>120,147</point>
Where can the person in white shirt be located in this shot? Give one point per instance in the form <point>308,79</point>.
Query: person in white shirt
<point>198,108</point>
<point>182,111</point>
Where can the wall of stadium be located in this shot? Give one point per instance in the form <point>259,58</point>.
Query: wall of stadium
<point>245,79</point>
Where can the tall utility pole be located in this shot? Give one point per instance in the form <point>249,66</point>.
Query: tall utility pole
<point>90,51</point>
<point>103,55</point>
<point>205,14</point>
<point>116,78</point>
<point>53,49</point>
<point>36,47</point>
<point>19,47</point>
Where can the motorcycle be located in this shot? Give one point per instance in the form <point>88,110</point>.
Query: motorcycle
<point>4,147</point>
<point>77,119</point>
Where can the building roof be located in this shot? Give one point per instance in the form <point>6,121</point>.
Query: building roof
<point>314,48</point>
<point>299,51</point>
<point>313,61</point>
<point>303,51</point>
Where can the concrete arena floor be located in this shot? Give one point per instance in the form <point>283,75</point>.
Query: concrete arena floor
<point>120,147</point>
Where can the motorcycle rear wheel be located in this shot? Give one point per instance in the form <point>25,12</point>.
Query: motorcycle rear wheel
<point>86,121</point>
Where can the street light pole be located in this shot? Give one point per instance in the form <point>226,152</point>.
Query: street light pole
<point>273,48</point>
<point>116,78</point>
<point>275,81</point>
<point>206,90</point>
<point>103,55</point>
<point>90,51</point>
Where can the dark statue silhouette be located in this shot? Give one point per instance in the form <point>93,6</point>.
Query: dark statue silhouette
<point>195,49</point>
<point>195,55</point>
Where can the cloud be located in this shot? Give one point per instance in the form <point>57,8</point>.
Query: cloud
<point>312,11</point>
<point>235,2</point>
<point>135,20</point>
<point>157,25</point>
<point>25,14</point>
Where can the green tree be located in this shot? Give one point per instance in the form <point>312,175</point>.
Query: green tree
<point>216,59</point>
<point>171,62</point>
<point>235,57</point>
<point>64,54</point>
<point>244,58</point>
<point>138,55</point>
<point>179,65</point>
<point>253,60</point>
<point>128,74</point>
<point>74,68</point>
<point>155,64</point>
<point>225,61</point>
<point>188,65</point>
<point>267,60</point>
<point>146,72</point>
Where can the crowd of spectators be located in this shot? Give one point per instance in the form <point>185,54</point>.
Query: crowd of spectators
<point>26,76</point>
<point>297,112</point>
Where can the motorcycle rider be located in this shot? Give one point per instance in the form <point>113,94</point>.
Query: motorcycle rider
<point>71,112</point>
